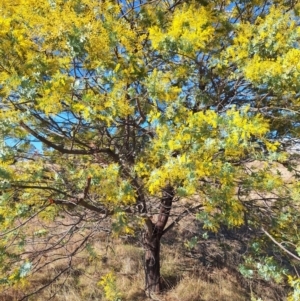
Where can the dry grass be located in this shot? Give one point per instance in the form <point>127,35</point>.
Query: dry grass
<point>207,273</point>
<point>184,279</point>
<point>221,288</point>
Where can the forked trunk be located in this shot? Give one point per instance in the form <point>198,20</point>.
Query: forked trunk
<point>154,232</point>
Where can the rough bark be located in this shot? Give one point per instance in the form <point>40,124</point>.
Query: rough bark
<point>152,237</point>
<point>152,263</point>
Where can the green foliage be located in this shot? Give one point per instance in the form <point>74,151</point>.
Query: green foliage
<point>295,284</point>
<point>263,268</point>
<point>190,244</point>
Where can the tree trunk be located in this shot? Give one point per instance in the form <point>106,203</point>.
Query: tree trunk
<point>154,232</point>
<point>152,263</point>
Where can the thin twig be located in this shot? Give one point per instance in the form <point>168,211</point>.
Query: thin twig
<point>280,245</point>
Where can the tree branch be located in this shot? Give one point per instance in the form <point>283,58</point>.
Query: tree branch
<point>84,204</point>
<point>181,216</point>
<point>280,245</point>
<point>165,209</point>
<point>16,185</point>
<point>87,187</point>
<point>81,202</point>
<point>65,150</point>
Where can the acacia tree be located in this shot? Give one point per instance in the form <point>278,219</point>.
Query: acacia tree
<point>113,110</point>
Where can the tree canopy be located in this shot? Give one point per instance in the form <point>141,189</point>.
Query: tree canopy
<point>114,110</point>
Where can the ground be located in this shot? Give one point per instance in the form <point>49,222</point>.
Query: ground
<point>204,270</point>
